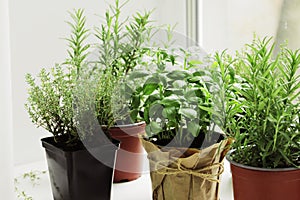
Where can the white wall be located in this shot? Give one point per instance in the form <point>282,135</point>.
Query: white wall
<point>6,150</point>
<point>36,29</point>
<point>229,24</point>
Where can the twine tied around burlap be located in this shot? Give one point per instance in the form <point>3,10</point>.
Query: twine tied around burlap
<point>166,170</point>
<point>189,174</point>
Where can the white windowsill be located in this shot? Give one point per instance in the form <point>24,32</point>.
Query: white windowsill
<point>139,189</point>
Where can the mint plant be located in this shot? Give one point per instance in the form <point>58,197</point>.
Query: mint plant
<point>174,103</point>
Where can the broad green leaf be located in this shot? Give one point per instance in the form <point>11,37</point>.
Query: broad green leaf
<point>149,88</point>
<point>169,113</point>
<point>133,115</point>
<point>178,74</point>
<point>155,127</point>
<point>195,79</point>
<point>162,79</point>
<point>136,100</point>
<point>138,74</point>
<point>179,84</point>
<point>172,100</point>
<point>152,98</point>
<point>189,113</point>
<point>194,128</point>
<point>152,80</point>
<point>148,130</point>
<point>193,95</point>
<point>154,109</point>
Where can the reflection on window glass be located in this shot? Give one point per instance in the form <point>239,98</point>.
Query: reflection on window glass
<point>289,25</point>
<point>229,24</point>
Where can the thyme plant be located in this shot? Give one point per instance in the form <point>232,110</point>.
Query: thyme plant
<point>51,100</point>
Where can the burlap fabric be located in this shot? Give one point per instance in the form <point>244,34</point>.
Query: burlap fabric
<point>186,174</point>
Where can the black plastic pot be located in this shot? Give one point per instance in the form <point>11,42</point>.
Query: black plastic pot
<point>77,175</point>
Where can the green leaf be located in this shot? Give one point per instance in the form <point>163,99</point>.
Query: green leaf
<point>133,115</point>
<point>149,88</point>
<point>136,100</point>
<point>163,80</point>
<point>155,127</point>
<point>261,105</point>
<point>169,101</point>
<point>152,98</point>
<point>179,84</point>
<point>195,62</point>
<point>137,74</point>
<point>195,79</point>
<point>211,110</point>
<point>193,95</point>
<point>189,113</point>
<point>148,130</point>
<point>169,113</point>
<point>154,109</point>
<point>194,128</point>
<point>177,75</point>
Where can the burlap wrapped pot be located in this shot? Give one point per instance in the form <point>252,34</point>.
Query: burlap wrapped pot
<point>186,174</point>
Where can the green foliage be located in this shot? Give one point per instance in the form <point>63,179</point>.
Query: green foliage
<point>51,98</point>
<point>67,99</point>
<point>32,177</point>
<point>267,121</point>
<point>50,104</point>
<point>224,82</point>
<point>172,101</point>
<point>78,47</point>
<point>121,48</point>
<point>122,43</point>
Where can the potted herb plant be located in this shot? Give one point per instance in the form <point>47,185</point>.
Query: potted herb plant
<point>185,152</point>
<point>75,173</point>
<point>120,46</point>
<point>265,159</point>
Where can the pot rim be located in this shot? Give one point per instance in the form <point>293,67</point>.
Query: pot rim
<point>257,168</point>
<point>126,125</point>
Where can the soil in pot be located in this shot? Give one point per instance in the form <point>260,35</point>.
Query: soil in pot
<point>76,174</point>
<point>199,142</point>
<point>251,183</point>
<point>129,163</point>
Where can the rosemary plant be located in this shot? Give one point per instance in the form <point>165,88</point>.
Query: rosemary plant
<point>121,47</point>
<point>270,107</point>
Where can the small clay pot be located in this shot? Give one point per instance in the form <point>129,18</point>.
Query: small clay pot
<point>129,163</point>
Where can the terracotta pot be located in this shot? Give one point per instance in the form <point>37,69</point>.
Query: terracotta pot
<point>77,175</point>
<point>252,183</point>
<point>129,161</point>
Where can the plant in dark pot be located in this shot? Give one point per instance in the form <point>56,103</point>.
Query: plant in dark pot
<point>75,172</point>
<point>185,151</point>
<point>265,159</point>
